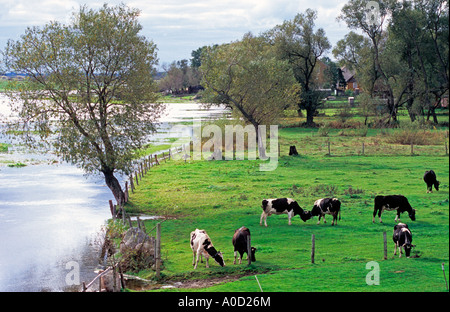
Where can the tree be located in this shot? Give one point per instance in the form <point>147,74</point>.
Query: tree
<point>301,46</point>
<point>417,47</point>
<point>179,77</point>
<point>90,89</point>
<point>357,14</point>
<point>247,76</point>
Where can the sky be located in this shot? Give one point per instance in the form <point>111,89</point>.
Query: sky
<point>178,27</point>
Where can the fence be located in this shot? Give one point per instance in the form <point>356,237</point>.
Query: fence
<point>141,168</point>
<point>368,148</point>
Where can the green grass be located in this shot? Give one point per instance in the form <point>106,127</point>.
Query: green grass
<point>221,196</point>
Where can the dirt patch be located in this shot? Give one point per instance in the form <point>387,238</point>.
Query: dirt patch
<point>141,285</point>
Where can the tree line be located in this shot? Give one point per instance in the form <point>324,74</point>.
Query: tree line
<point>91,96</point>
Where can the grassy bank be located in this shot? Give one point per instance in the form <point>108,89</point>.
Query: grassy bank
<point>221,196</point>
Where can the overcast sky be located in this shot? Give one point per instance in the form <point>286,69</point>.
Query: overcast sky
<point>176,26</point>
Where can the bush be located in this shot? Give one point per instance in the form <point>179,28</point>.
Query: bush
<point>414,136</point>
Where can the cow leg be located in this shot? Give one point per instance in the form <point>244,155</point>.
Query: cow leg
<point>324,221</point>
<point>334,219</point>
<point>401,251</point>
<point>263,215</point>
<point>196,260</point>
<point>374,214</point>
<point>379,214</point>
<point>235,254</point>
<point>395,249</point>
<point>397,217</point>
<point>318,222</point>
<point>290,214</point>
<point>193,258</point>
<point>207,263</point>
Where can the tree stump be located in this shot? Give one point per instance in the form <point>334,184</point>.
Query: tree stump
<point>293,150</point>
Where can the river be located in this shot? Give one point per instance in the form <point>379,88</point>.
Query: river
<point>52,214</point>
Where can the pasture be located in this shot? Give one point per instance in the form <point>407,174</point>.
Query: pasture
<point>221,196</point>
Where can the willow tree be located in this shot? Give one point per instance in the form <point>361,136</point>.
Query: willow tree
<point>89,92</point>
<point>302,45</point>
<point>247,76</point>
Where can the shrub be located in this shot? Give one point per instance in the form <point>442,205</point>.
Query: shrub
<point>414,136</point>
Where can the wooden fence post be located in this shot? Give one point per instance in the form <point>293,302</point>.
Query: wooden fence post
<point>363,148</point>
<point>126,191</point>
<point>249,250</point>
<point>329,148</point>
<point>412,148</point>
<point>131,182</point>
<point>313,247</point>
<point>446,149</point>
<point>385,245</point>
<point>158,250</point>
<point>111,207</point>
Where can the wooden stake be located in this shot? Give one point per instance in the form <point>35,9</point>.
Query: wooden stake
<point>158,250</point>
<point>249,250</point>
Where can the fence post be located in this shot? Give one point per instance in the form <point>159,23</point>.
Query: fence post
<point>385,245</point>
<point>111,207</point>
<point>126,191</point>
<point>329,148</point>
<point>446,149</point>
<point>249,250</point>
<point>158,250</point>
<point>363,148</point>
<point>131,182</point>
<point>313,247</point>
<point>412,148</point>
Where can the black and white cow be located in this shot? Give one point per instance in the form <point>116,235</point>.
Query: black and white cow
<point>201,245</point>
<point>402,238</point>
<point>430,179</point>
<point>393,202</point>
<point>282,206</point>
<point>240,241</point>
<point>323,206</point>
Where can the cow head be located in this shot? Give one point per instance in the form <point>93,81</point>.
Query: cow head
<point>253,254</point>
<point>306,215</point>
<point>408,246</point>
<point>412,214</point>
<point>436,185</point>
<point>218,257</point>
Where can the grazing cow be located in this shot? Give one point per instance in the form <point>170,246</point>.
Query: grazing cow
<point>282,205</point>
<point>430,179</point>
<point>201,245</point>
<point>402,238</point>
<point>331,206</point>
<point>240,241</point>
<point>393,202</point>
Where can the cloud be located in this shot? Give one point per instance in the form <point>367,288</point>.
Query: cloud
<point>180,26</point>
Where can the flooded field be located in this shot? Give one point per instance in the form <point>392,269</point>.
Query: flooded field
<point>51,213</point>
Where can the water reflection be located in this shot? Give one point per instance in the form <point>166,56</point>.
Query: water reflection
<point>51,214</point>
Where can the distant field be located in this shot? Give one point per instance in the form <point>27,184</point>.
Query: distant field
<point>221,196</point>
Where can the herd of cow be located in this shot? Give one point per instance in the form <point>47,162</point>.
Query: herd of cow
<point>201,244</point>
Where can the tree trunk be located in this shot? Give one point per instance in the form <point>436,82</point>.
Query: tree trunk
<point>260,143</point>
<point>114,186</point>
<point>310,117</point>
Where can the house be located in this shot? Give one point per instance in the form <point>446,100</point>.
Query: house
<point>350,81</point>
